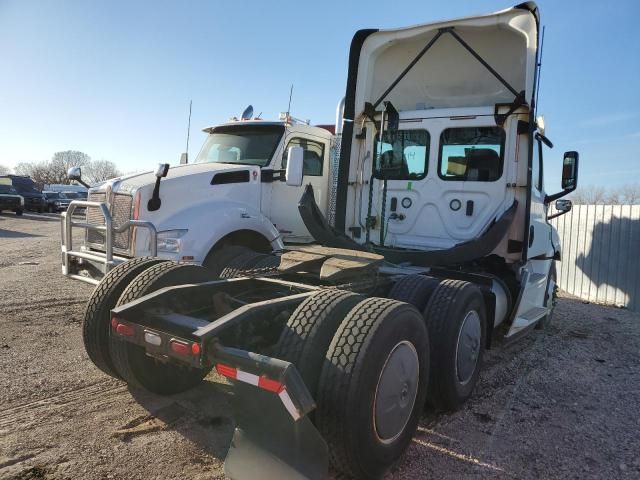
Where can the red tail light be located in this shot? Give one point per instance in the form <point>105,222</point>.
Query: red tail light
<point>180,348</point>
<point>122,329</point>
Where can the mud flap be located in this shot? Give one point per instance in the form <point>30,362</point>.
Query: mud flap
<point>268,443</point>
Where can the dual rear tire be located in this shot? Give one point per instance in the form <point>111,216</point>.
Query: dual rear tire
<point>379,368</point>
<point>366,362</point>
<point>134,279</point>
<point>96,324</point>
<point>373,385</point>
<point>456,320</point>
<point>455,315</point>
<point>130,360</point>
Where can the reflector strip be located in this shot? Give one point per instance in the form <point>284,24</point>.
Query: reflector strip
<point>288,404</point>
<point>226,371</point>
<point>247,378</point>
<point>261,382</point>
<point>270,385</point>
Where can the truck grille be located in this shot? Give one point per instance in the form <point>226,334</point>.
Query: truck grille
<point>120,209</point>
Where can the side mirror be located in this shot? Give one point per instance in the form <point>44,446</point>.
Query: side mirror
<point>569,177</point>
<point>295,164</point>
<point>74,173</point>
<point>184,158</point>
<point>563,206</point>
<point>162,170</point>
<point>570,171</point>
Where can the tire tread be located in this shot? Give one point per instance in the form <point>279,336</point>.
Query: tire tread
<point>95,332</point>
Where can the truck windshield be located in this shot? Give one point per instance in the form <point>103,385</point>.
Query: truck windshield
<point>241,144</point>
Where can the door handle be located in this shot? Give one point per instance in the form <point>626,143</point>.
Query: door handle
<point>531,234</point>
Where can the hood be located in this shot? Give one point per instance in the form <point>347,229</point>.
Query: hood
<point>448,75</point>
<point>134,181</point>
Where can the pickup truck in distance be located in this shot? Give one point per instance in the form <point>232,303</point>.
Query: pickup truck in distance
<point>28,190</point>
<point>10,200</point>
<point>55,201</point>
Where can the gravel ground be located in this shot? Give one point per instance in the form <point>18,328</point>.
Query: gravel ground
<point>562,403</point>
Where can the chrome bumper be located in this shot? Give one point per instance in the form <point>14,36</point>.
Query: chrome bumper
<point>104,260</point>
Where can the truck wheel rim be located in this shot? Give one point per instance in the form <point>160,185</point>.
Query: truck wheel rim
<point>468,348</point>
<point>396,392</point>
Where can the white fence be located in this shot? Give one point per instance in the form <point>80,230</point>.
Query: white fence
<point>601,254</point>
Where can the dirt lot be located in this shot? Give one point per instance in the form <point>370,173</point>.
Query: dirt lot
<point>558,404</point>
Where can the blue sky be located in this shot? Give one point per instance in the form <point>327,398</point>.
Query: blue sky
<point>114,78</point>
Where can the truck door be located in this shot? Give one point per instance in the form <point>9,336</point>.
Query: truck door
<point>284,198</point>
<point>535,272</point>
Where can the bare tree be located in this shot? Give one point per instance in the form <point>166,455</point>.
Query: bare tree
<point>61,162</point>
<point>55,170</point>
<point>590,195</point>
<point>630,194</point>
<point>4,170</point>
<point>614,197</point>
<point>98,171</point>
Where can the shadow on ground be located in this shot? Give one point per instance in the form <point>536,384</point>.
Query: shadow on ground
<point>202,415</point>
<point>14,234</point>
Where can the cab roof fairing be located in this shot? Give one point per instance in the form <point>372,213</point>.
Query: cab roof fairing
<point>448,75</point>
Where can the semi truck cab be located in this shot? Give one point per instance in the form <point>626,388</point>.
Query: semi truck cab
<point>232,194</point>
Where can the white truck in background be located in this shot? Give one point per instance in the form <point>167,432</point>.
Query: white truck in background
<point>232,195</point>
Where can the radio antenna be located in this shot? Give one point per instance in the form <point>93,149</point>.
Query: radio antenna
<point>290,96</point>
<point>189,126</point>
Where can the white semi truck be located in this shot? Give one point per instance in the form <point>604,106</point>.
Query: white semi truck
<point>233,195</point>
<point>439,245</point>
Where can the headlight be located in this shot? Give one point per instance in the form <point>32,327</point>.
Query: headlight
<point>170,240</point>
<point>57,204</point>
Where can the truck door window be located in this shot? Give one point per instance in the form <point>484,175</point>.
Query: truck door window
<point>313,156</point>
<point>473,154</point>
<point>404,157</point>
